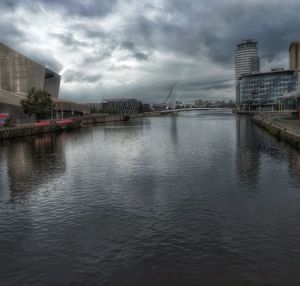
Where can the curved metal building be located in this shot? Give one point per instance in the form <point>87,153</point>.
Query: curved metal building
<point>18,74</point>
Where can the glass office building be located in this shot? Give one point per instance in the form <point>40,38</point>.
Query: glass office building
<point>265,90</point>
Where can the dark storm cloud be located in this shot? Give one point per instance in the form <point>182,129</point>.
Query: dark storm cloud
<point>274,24</point>
<point>144,46</point>
<point>212,29</point>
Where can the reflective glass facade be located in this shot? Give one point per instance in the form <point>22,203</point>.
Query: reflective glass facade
<point>266,88</point>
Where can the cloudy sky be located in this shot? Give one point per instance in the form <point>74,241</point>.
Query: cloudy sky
<point>139,48</point>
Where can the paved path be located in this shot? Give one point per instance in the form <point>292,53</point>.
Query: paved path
<point>288,124</point>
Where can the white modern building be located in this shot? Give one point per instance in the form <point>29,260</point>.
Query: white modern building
<point>246,62</point>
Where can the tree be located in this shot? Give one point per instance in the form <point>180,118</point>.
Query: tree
<point>38,103</point>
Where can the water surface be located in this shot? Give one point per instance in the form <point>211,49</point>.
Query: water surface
<point>202,199</point>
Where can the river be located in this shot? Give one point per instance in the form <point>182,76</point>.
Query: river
<point>205,198</point>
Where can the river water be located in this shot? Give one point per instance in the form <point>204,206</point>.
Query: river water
<point>205,198</point>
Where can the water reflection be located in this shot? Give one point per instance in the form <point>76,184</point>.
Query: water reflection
<point>252,143</point>
<point>294,168</point>
<point>247,153</point>
<point>158,201</point>
<point>34,161</point>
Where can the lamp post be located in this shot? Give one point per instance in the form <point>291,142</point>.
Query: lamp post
<point>61,110</point>
<point>51,107</point>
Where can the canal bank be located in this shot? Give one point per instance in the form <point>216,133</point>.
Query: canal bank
<point>284,127</point>
<point>32,129</point>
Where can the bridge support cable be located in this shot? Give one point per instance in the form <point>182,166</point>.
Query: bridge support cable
<point>185,95</point>
<point>170,93</point>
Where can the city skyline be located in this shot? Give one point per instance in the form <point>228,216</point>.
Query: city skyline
<point>124,48</point>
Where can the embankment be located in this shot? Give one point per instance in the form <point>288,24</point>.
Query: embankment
<point>57,126</point>
<point>284,128</point>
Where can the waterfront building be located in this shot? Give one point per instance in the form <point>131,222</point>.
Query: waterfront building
<point>290,100</point>
<point>146,107</point>
<point>263,91</point>
<point>123,105</point>
<point>94,106</point>
<point>198,103</point>
<point>294,55</point>
<point>246,62</point>
<point>18,74</point>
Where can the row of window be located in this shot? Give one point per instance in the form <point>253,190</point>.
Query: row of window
<point>268,88</point>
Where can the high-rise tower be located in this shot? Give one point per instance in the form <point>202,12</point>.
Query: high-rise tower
<point>294,53</point>
<point>246,62</point>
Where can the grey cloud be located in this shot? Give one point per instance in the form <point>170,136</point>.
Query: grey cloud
<point>67,39</point>
<point>218,85</point>
<point>169,40</point>
<point>94,8</point>
<point>213,28</point>
<point>97,58</point>
<point>11,34</point>
<point>44,58</point>
<point>135,52</point>
<point>8,5</point>
<point>271,23</point>
<point>141,56</point>
<point>113,67</point>
<point>128,45</point>
<point>75,76</point>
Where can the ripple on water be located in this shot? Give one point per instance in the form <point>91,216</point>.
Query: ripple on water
<point>205,198</point>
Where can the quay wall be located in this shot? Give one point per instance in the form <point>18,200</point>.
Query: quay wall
<point>280,131</point>
<point>23,130</point>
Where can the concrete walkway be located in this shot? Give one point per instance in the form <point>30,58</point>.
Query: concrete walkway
<point>284,128</point>
<point>289,124</point>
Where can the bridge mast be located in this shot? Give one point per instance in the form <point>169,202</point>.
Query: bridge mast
<point>171,92</point>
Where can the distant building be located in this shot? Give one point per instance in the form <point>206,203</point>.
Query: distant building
<point>94,106</point>
<point>146,107</point>
<point>123,105</point>
<point>198,103</point>
<point>264,90</point>
<point>294,55</point>
<point>246,62</point>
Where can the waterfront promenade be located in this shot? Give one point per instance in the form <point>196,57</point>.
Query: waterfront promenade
<point>283,126</point>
